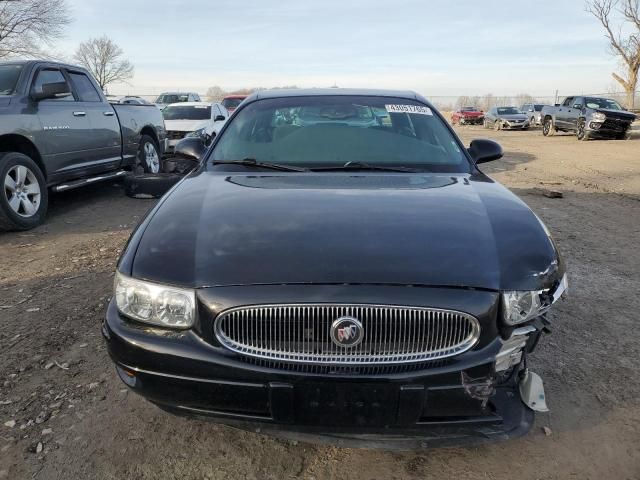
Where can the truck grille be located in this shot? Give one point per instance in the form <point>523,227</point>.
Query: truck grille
<point>175,135</point>
<point>301,333</point>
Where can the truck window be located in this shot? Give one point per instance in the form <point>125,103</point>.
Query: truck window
<point>51,75</point>
<point>8,78</point>
<point>84,88</point>
<point>567,102</point>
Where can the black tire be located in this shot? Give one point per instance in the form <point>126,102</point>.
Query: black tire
<point>10,219</point>
<point>624,135</point>
<point>581,132</point>
<point>548,128</point>
<point>144,164</point>
<point>150,185</point>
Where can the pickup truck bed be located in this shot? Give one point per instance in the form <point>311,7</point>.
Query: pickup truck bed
<point>58,131</point>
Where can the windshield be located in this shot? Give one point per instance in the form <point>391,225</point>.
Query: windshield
<point>537,107</point>
<point>172,98</point>
<point>194,112</point>
<point>508,111</point>
<point>231,102</point>
<point>602,103</point>
<point>469,109</point>
<point>326,131</point>
<point>8,78</point>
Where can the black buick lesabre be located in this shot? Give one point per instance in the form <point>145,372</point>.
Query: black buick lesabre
<point>339,269</point>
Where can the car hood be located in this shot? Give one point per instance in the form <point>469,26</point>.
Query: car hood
<point>514,116</point>
<point>472,114</point>
<point>218,229</point>
<point>617,113</point>
<point>185,125</point>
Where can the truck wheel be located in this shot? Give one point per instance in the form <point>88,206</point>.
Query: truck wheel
<point>23,203</point>
<point>581,130</point>
<point>548,128</point>
<point>148,156</point>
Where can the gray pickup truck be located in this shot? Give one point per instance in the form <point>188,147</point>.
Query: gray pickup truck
<point>58,131</point>
<point>588,117</point>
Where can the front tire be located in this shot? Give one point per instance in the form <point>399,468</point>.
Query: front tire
<point>548,128</point>
<point>148,160</point>
<point>581,130</point>
<point>24,198</point>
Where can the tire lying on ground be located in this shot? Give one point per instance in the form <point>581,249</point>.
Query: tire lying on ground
<point>24,196</point>
<point>150,185</point>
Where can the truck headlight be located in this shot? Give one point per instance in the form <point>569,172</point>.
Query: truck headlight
<point>153,303</point>
<point>522,306</point>
<point>598,117</point>
<point>196,133</point>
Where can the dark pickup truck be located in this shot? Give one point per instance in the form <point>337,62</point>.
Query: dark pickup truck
<point>58,131</point>
<point>588,117</point>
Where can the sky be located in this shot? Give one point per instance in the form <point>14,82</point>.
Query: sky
<point>435,47</point>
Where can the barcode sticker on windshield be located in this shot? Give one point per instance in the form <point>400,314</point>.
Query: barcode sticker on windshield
<point>408,109</point>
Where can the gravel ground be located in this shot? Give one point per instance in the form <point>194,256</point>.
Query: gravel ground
<point>64,414</point>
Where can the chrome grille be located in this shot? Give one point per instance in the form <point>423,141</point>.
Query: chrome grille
<point>300,333</point>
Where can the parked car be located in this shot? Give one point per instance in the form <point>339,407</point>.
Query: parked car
<point>354,282</point>
<point>588,117</point>
<point>231,102</point>
<point>506,118</point>
<point>133,100</point>
<point>58,131</point>
<point>168,98</point>
<point>193,119</point>
<point>467,116</point>
<point>533,111</point>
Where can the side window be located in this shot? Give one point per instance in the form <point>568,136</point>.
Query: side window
<point>567,102</point>
<point>84,88</point>
<point>51,75</point>
<point>577,103</point>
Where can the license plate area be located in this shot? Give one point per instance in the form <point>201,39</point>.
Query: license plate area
<point>346,404</point>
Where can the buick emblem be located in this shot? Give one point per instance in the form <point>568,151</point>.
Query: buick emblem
<point>346,332</point>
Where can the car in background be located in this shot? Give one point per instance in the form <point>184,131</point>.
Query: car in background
<point>533,111</point>
<point>168,98</point>
<point>198,119</point>
<point>467,116</point>
<point>506,118</point>
<point>588,117</point>
<point>133,100</point>
<point>231,102</point>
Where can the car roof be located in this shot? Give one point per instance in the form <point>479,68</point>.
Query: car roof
<point>322,92</point>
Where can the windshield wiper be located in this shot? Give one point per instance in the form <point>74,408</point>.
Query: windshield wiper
<point>363,166</point>
<point>252,162</point>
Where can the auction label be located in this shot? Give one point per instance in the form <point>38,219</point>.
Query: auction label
<point>408,109</point>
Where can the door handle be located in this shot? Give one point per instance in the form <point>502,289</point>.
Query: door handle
<point>79,114</point>
<point>107,114</point>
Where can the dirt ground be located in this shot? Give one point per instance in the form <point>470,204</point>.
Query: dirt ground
<point>65,415</point>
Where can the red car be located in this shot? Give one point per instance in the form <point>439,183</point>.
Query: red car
<point>467,116</point>
<point>231,102</point>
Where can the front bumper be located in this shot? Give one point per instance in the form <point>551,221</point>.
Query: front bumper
<point>514,126</point>
<point>440,406</point>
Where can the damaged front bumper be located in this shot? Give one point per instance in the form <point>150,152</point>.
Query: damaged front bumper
<point>471,399</point>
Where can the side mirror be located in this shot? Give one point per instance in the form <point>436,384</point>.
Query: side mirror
<point>52,90</point>
<point>190,148</point>
<point>484,150</point>
<point>219,118</point>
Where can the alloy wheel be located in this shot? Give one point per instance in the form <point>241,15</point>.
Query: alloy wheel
<point>151,157</point>
<point>22,191</point>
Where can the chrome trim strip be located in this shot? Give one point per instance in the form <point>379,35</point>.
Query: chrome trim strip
<point>300,333</point>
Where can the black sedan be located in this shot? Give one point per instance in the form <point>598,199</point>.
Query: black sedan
<point>506,118</point>
<point>355,279</point>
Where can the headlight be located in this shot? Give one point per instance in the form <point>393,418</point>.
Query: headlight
<point>598,117</point>
<point>196,133</point>
<point>153,303</point>
<point>522,306</point>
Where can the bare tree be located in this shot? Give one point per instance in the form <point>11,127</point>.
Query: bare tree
<point>103,58</point>
<point>26,26</point>
<point>215,93</point>
<point>624,45</point>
